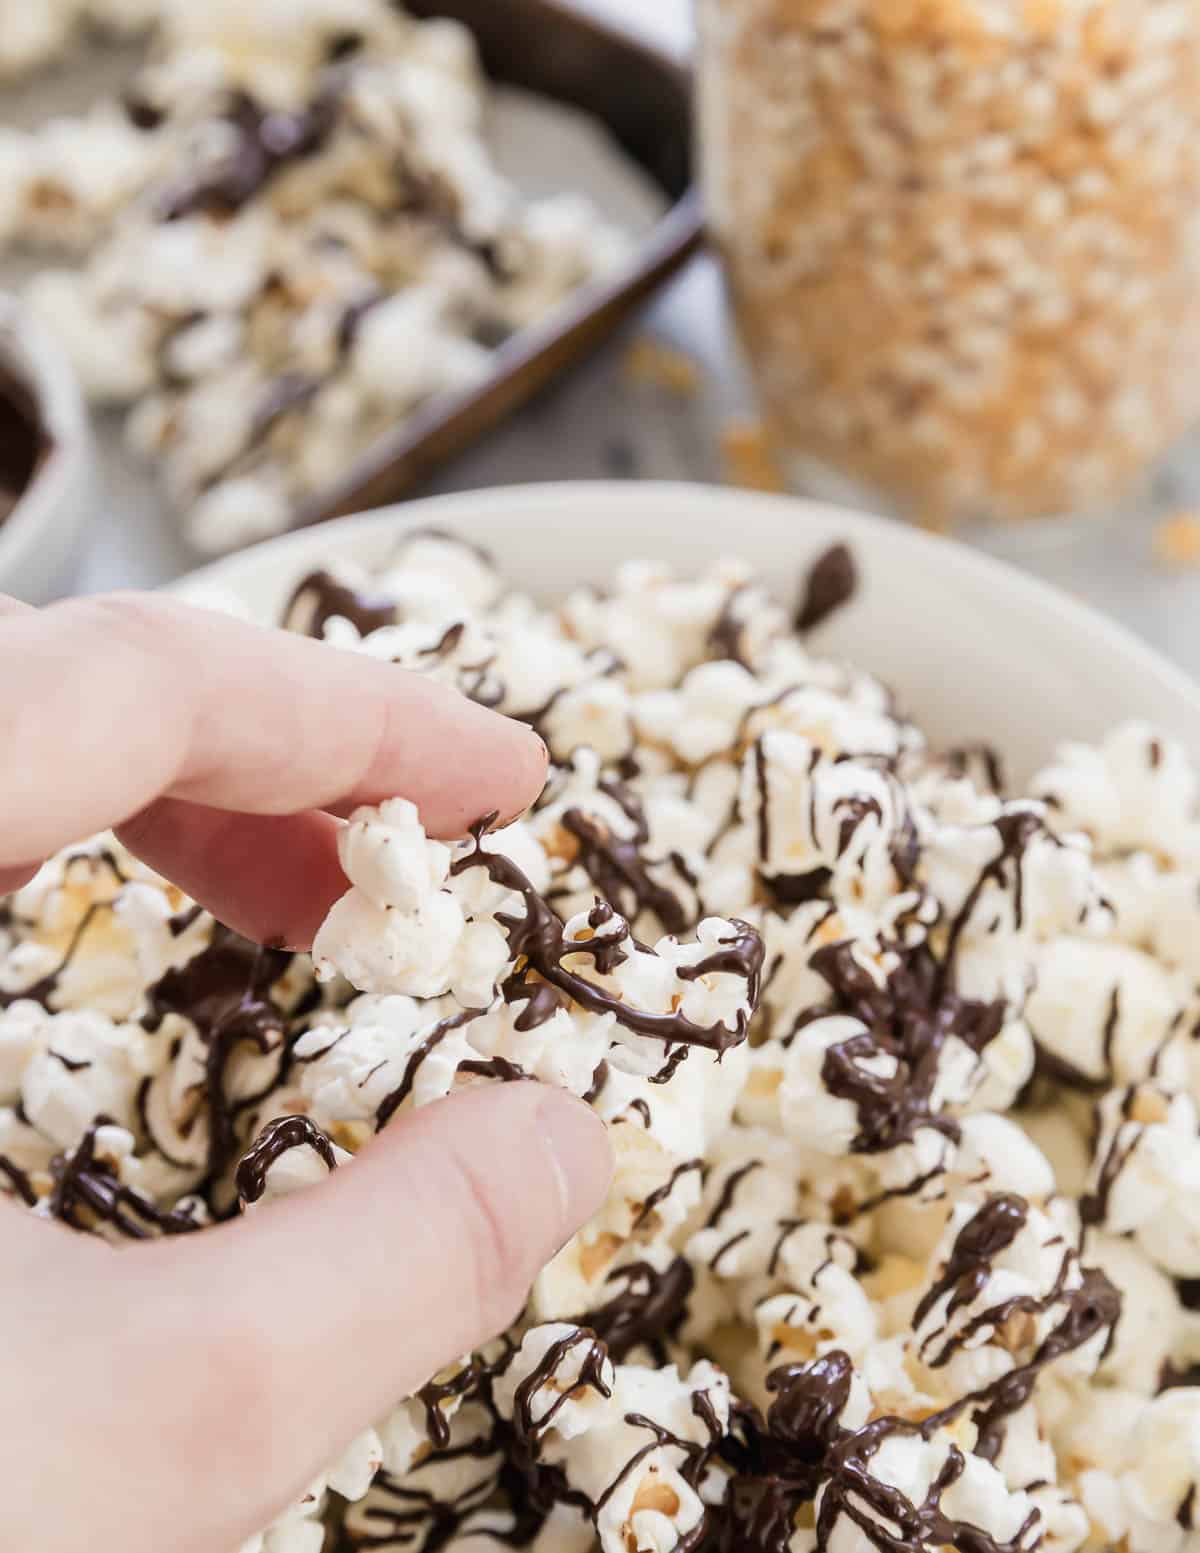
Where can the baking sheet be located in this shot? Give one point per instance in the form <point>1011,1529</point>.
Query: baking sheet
<point>541,146</point>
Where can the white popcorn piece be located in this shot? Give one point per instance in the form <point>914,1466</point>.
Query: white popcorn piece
<point>1145,1172</point>
<point>440,1485</point>
<point>995,1154</point>
<point>33,35</point>
<point>624,1451</point>
<point>423,954</point>
<point>385,854</point>
<point>660,625</point>
<point>1164,1458</point>
<point>1007,1277</point>
<point>904,1463</point>
<point>814,813</point>
<point>1136,789</point>
<point>824,1307</point>
<point>1105,1011</point>
<point>111,349</point>
<point>79,1069</point>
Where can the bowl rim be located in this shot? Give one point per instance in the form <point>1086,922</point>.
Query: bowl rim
<point>29,351</point>
<point>542,500</point>
<point>1038,670</point>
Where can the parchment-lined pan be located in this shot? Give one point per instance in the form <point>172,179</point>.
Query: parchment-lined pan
<point>643,98</point>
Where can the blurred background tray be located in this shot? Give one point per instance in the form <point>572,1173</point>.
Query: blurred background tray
<point>642,96</point>
<point>578,105</point>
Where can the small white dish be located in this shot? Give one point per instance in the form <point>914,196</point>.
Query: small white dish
<point>974,648</point>
<point>40,538</point>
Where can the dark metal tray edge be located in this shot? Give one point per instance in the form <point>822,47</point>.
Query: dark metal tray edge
<point>565,40</point>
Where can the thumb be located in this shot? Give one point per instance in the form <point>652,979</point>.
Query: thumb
<point>337,1302</point>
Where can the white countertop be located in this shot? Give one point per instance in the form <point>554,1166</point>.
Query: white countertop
<point>596,425</point>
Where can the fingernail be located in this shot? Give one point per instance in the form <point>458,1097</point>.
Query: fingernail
<point>577,1143</point>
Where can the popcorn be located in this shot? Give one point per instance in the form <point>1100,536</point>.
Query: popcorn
<point>78,1067</point>
<point>398,929</point>
<point>629,1438</point>
<point>1103,1010</point>
<point>1010,1291</point>
<point>1137,789</point>
<point>897,1074</point>
<point>289,233</point>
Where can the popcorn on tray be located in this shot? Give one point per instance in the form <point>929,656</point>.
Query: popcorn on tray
<point>901,1247</point>
<point>287,234</point>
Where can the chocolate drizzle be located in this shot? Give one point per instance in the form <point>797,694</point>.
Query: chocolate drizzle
<point>225,991</point>
<point>779,1461</point>
<point>1093,1307</point>
<point>537,938</point>
<point>659,1195</point>
<point>647,1312</point>
<point>392,1102</point>
<point>1016,830</point>
<point>275,1140</point>
<point>975,761</point>
<point>909,1018</point>
<point>351,322</point>
<point>265,142</point>
<point>527,1429</point>
<point>498,1068</point>
<point>874,1506</point>
<point>320,597</point>
<point>992,1230</point>
<point>435,1394</point>
<point>43,990</point>
<point>615,864</point>
<point>725,638</point>
<point>24,442</point>
<point>729,1192</point>
<point>88,1192</point>
<point>18,1180</point>
<point>784,1461</point>
<point>541,1000</point>
<point>1093,1208</point>
<point>831,583</point>
<point>142,113</point>
<point>764,811</point>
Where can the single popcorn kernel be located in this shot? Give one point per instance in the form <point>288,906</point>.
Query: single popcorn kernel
<point>1150,1106</point>
<point>1177,540</point>
<point>656,1496</point>
<point>747,457</point>
<point>894,1275</point>
<point>597,1254</point>
<point>1017,1332</point>
<point>650,362</point>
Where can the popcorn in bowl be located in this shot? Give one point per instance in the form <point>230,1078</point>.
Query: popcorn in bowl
<point>901,1244</point>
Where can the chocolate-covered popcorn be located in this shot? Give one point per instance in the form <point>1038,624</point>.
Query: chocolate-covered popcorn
<point>901,1243</point>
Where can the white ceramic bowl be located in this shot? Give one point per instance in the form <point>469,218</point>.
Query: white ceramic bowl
<point>40,539</point>
<point>974,648</point>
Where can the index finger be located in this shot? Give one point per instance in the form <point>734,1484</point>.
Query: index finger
<point>109,703</point>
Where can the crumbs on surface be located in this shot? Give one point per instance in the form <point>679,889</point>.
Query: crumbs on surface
<point>654,364</point>
<point>1176,541</point>
<point>747,457</point>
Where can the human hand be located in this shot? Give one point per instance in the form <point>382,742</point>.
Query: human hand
<point>179,1394</point>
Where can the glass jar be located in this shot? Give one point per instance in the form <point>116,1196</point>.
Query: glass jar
<point>963,239</point>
